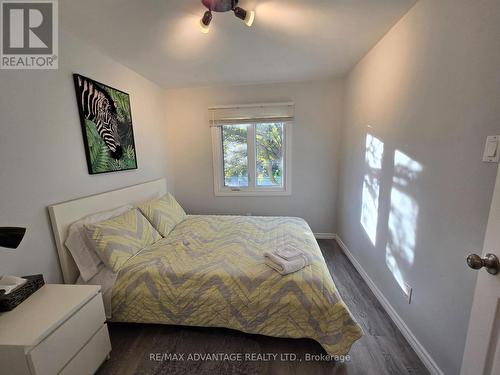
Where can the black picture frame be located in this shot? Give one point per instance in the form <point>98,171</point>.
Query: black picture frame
<point>99,153</point>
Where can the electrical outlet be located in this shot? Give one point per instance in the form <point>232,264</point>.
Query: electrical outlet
<point>408,292</point>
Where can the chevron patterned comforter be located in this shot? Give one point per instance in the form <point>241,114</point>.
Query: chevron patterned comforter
<point>210,272</point>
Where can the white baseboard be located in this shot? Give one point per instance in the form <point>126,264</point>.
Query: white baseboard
<point>419,349</point>
<point>325,236</point>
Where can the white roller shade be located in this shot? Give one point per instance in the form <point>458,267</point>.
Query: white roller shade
<point>251,113</point>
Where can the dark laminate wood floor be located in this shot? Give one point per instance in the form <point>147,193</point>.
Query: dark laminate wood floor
<point>382,350</point>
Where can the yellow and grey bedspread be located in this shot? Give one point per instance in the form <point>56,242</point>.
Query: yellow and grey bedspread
<point>210,272</point>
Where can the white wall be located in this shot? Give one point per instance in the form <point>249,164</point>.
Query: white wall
<point>315,150</point>
<point>42,154</point>
<point>431,90</point>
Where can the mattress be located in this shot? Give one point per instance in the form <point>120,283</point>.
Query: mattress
<point>210,272</point>
<point>106,279</point>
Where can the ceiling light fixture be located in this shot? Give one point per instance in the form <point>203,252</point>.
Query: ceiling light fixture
<point>247,17</point>
<point>205,22</point>
<point>224,6</point>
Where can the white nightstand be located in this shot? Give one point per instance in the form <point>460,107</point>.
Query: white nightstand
<point>60,329</point>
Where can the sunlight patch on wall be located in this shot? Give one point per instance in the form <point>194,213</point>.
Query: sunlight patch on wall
<point>374,154</point>
<point>403,218</point>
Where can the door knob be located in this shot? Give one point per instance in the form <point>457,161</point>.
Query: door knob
<point>490,262</point>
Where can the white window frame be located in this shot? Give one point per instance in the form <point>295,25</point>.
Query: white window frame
<point>252,190</point>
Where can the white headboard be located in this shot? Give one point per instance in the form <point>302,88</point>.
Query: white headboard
<point>62,215</point>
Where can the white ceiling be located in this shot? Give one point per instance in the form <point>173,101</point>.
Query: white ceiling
<point>291,40</point>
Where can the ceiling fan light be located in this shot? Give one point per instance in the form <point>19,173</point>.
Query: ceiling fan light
<point>204,28</point>
<point>205,22</point>
<point>250,17</point>
<point>247,16</point>
<point>240,13</point>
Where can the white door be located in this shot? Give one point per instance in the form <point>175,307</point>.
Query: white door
<point>482,349</point>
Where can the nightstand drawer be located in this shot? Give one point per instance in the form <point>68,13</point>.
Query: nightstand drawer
<point>88,360</point>
<point>53,353</point>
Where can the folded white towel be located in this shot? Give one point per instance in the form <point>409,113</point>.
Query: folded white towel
<point>291,253</point>
<point>283,266</point>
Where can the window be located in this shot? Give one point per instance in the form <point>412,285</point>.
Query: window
<point>252,158</point>
<point>235,155</point>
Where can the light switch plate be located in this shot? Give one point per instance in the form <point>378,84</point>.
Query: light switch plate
<point>492,149</point>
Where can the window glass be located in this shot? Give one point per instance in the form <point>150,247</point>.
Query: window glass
<point>269,154</point>
<point>235,151</point>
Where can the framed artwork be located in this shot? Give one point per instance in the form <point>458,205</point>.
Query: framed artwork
<point>106,120</point>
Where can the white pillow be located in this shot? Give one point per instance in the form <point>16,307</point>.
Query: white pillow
<point>80,247</point>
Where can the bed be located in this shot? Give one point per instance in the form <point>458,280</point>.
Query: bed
<point>209,271</point>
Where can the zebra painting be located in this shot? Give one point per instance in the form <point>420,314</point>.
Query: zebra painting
<point>107,126</point>
<point>98,107</point>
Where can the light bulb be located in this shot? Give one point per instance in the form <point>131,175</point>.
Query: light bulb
<point>205,22</point>
<point>204,28</point>
<point>250,18</point>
